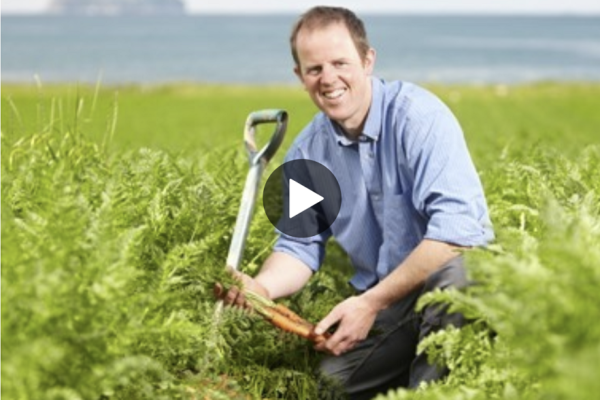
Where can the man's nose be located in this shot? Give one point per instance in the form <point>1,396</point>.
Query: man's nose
<point>328,74</point>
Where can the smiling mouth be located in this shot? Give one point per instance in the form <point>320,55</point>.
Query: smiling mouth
<point>334,94</point>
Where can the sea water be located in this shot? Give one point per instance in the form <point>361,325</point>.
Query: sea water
<point>255,49</point>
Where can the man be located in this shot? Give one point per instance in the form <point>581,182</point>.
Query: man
<point>411,201</point>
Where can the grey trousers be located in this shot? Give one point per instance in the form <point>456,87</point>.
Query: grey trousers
<point>388,359</point>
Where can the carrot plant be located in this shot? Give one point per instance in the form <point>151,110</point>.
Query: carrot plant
<point>109,259</point>
<point>108,265</point>
<point>535,301</point>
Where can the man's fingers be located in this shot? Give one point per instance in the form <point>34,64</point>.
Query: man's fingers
<point>336,344</point>
<point>218,290</point>
<point>240,300</point>
<point>231,296</point>
<point>335,341</point>
<point>327,322</point>
<point>234,296</point>
<point>343,346</point>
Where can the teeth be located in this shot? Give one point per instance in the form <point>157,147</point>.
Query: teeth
<point>335,94</point>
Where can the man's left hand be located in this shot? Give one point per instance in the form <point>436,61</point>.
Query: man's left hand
<point>355,316</point>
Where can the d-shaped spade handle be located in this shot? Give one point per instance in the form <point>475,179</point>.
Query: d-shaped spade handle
<point>258,161</point>
<point>261,117</point>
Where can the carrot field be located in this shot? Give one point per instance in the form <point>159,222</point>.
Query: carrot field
<point>118,205</point>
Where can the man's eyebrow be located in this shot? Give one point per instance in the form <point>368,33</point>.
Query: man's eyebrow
<point>340,59</point>
<point>312,66</point>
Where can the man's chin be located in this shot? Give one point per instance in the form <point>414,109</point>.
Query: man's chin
<point>333,113</point>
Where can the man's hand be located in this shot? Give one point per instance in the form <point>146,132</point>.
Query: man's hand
<point>235,296</point>
<point>355,316</point>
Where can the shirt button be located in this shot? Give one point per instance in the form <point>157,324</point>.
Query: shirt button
<point>371,154</point>
<point>376,197</point>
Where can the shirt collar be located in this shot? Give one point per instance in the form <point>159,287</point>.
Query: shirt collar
<point>372,127</point>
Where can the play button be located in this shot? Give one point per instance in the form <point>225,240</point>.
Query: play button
<point>302,198</point>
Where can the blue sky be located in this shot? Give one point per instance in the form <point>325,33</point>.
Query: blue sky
<point>422,6</point>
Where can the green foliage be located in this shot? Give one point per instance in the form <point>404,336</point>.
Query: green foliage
<point>535,302</point>
<point>111,246</point>
<point>108,267</point>
<point>175,118</point>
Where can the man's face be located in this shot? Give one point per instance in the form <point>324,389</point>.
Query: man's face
<point>334,75</point>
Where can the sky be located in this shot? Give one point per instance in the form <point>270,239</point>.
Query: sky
<point>584,7</point>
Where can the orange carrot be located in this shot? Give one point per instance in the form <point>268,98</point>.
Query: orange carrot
<point>296,324</point>
<point>288,325</point>
<point>286,312</point>
<point>284,318</point>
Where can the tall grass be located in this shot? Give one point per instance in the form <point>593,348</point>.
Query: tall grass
<point>187,119</point>
<point>113,236</point>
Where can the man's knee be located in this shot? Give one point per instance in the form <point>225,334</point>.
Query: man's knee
<point>435,316</point>
<point>331,379</point>
<point>451,274</point>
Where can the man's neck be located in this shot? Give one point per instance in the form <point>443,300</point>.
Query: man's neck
<point>353,132</point>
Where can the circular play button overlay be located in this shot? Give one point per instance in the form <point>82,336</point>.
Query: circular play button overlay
<point>302,198</point>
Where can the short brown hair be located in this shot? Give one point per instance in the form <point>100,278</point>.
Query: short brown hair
<point>322,16</point>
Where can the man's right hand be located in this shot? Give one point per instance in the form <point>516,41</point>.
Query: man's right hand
<point>235,296</point>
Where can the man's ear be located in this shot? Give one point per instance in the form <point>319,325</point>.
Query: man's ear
<point>297,72</point>
<point>299,75</point>
<point>369,62</point>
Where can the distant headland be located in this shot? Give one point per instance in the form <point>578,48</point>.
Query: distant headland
<point>117,7</point>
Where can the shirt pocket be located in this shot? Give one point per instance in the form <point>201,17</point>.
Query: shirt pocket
<point>404,228</point>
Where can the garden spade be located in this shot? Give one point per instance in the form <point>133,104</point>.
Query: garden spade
<point>258,161</point>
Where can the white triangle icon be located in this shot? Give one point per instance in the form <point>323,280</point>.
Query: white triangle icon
<point>301,198</point>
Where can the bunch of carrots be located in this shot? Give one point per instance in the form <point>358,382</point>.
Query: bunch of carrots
<point>284,318</point>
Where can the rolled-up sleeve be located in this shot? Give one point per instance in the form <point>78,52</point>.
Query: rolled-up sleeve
<point>447,189</point>
<point>311,251</point>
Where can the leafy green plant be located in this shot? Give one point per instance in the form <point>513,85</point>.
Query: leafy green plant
<point>109,260</point>
<point>534,304</point>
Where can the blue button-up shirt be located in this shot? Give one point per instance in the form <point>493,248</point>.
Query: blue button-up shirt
<point>409,176</point>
